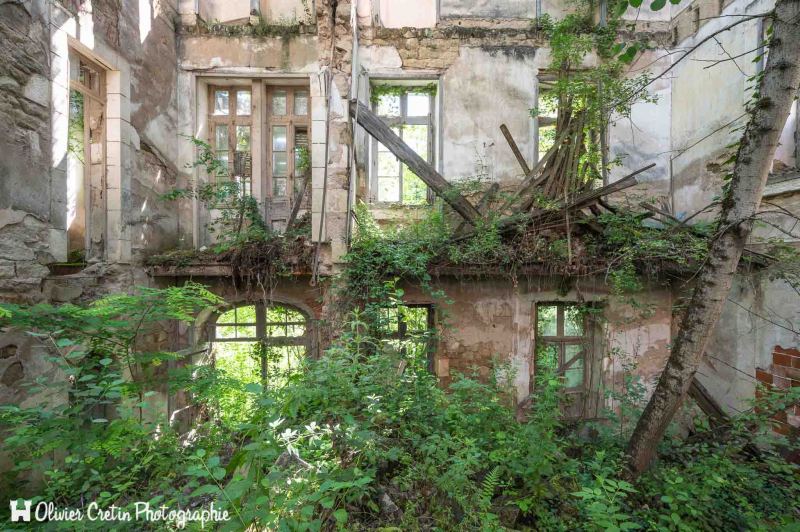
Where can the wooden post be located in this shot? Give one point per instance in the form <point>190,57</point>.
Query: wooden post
<point>440,186</point>
<point>514,148</point>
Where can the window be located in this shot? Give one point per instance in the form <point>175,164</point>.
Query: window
<point>563,345</point>
<point>408,110</point>
<point>546,116</point>
<point>410,329</point>
<point>230,124</point>
<point>85,155</point>
<point>287,140</point>
<point>274,337</point>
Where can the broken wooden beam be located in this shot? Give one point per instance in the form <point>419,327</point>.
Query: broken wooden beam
<point>707,403</point>
<point>515,149</point>
<point>298,200</point>
<point>483,204</point>
<point>424,170</point>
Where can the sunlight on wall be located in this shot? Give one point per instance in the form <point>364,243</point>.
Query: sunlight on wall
<point>145,19</point>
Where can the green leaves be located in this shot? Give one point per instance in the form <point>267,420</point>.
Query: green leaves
<point>657,5</point>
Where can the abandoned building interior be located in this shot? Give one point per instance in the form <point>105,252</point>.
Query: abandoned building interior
<point>317,110</point>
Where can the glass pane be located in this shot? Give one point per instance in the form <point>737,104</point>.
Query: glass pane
<point>388,165</point>
<point>388,105</point>
<point>279,103</point>
<point>573,376</point>
<point>243,103</point>
<point>546,324</point>
<point>222,157</point>
<point>279,138</point>
<point>302,161</point>
<point>418,104</point>
<point>242,138</point>
<point>301,103</point>
<point>220,102</point>
<point>573,321</point>
<point>280,164</point>
<point>245,331</point>
<point>546,357</point>
<point>389,189</point>
<point>415,192</point>
<point>416,319</point>
<point>417,138</point>
<point>279,186</point>
<point>221,137</point>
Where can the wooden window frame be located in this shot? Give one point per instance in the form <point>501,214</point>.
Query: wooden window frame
<point>561,341</point>
<point>399,122</point>
<point>261,327</point>
<point>98,95</point>
<point>231,120</point>
<point>403,332</point>
<point>293,123</point>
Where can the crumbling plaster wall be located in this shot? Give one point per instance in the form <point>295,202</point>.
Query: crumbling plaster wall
<point>487,76</point>
<point>212,54</point>
<point>486,322</point>
<point>708,104</point>
<point>135,41</point>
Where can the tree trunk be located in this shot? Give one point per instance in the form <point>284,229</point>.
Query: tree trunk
<point>753,163</point>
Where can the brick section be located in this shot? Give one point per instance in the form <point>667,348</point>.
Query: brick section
<point>783,373</point>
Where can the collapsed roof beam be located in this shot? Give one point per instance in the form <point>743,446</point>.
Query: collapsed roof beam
<point>440,186</point>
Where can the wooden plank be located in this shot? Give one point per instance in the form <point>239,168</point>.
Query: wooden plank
<point>514,148</point>
<point>707,403</point>
<point>440,186</point>
<point>297,201</point>
<point>483,203</point>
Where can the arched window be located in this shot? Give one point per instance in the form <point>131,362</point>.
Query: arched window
<point>265,343</point>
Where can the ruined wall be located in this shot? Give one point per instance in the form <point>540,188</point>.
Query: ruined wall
<point>28,202</point>
<point>487,76</point>
<point>488,322</point>
<point>708,103</point>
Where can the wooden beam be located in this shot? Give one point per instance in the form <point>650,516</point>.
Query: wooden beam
<point>297,201</point>
<point>707,403</point>
<point>483,203</point>
<point>440,186</point>
<point>514,148</point>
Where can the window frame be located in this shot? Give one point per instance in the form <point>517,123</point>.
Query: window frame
<point>97,96</point>
<point>293,124</point>
<point>399,122</point>
<point>231,120</point>
<point>403,332</point>
<point>577,398</point>
<point>261,328</point>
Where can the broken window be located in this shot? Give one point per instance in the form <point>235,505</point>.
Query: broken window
<point>410,330</point>
<point>230,130</point>
<point>85,157</point>
<point>408,110</point>
<point>546,116</point>
<point>563,346</point>
<point>273,338</point>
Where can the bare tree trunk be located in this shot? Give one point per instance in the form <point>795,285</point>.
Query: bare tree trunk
<point>753,162</point>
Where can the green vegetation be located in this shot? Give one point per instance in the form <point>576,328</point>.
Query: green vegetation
<point>362,438</point>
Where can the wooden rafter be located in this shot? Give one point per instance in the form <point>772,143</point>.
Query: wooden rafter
<point>424,170</point>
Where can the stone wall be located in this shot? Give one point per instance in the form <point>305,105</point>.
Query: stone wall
<point>26,192</point>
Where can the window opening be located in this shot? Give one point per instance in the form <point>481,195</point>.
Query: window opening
<point>563,345</point>
<point>85,157</point>
<point>256,345</point>
<point>230,129</point>
<point>409,113</point>
<point>410,329</point>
